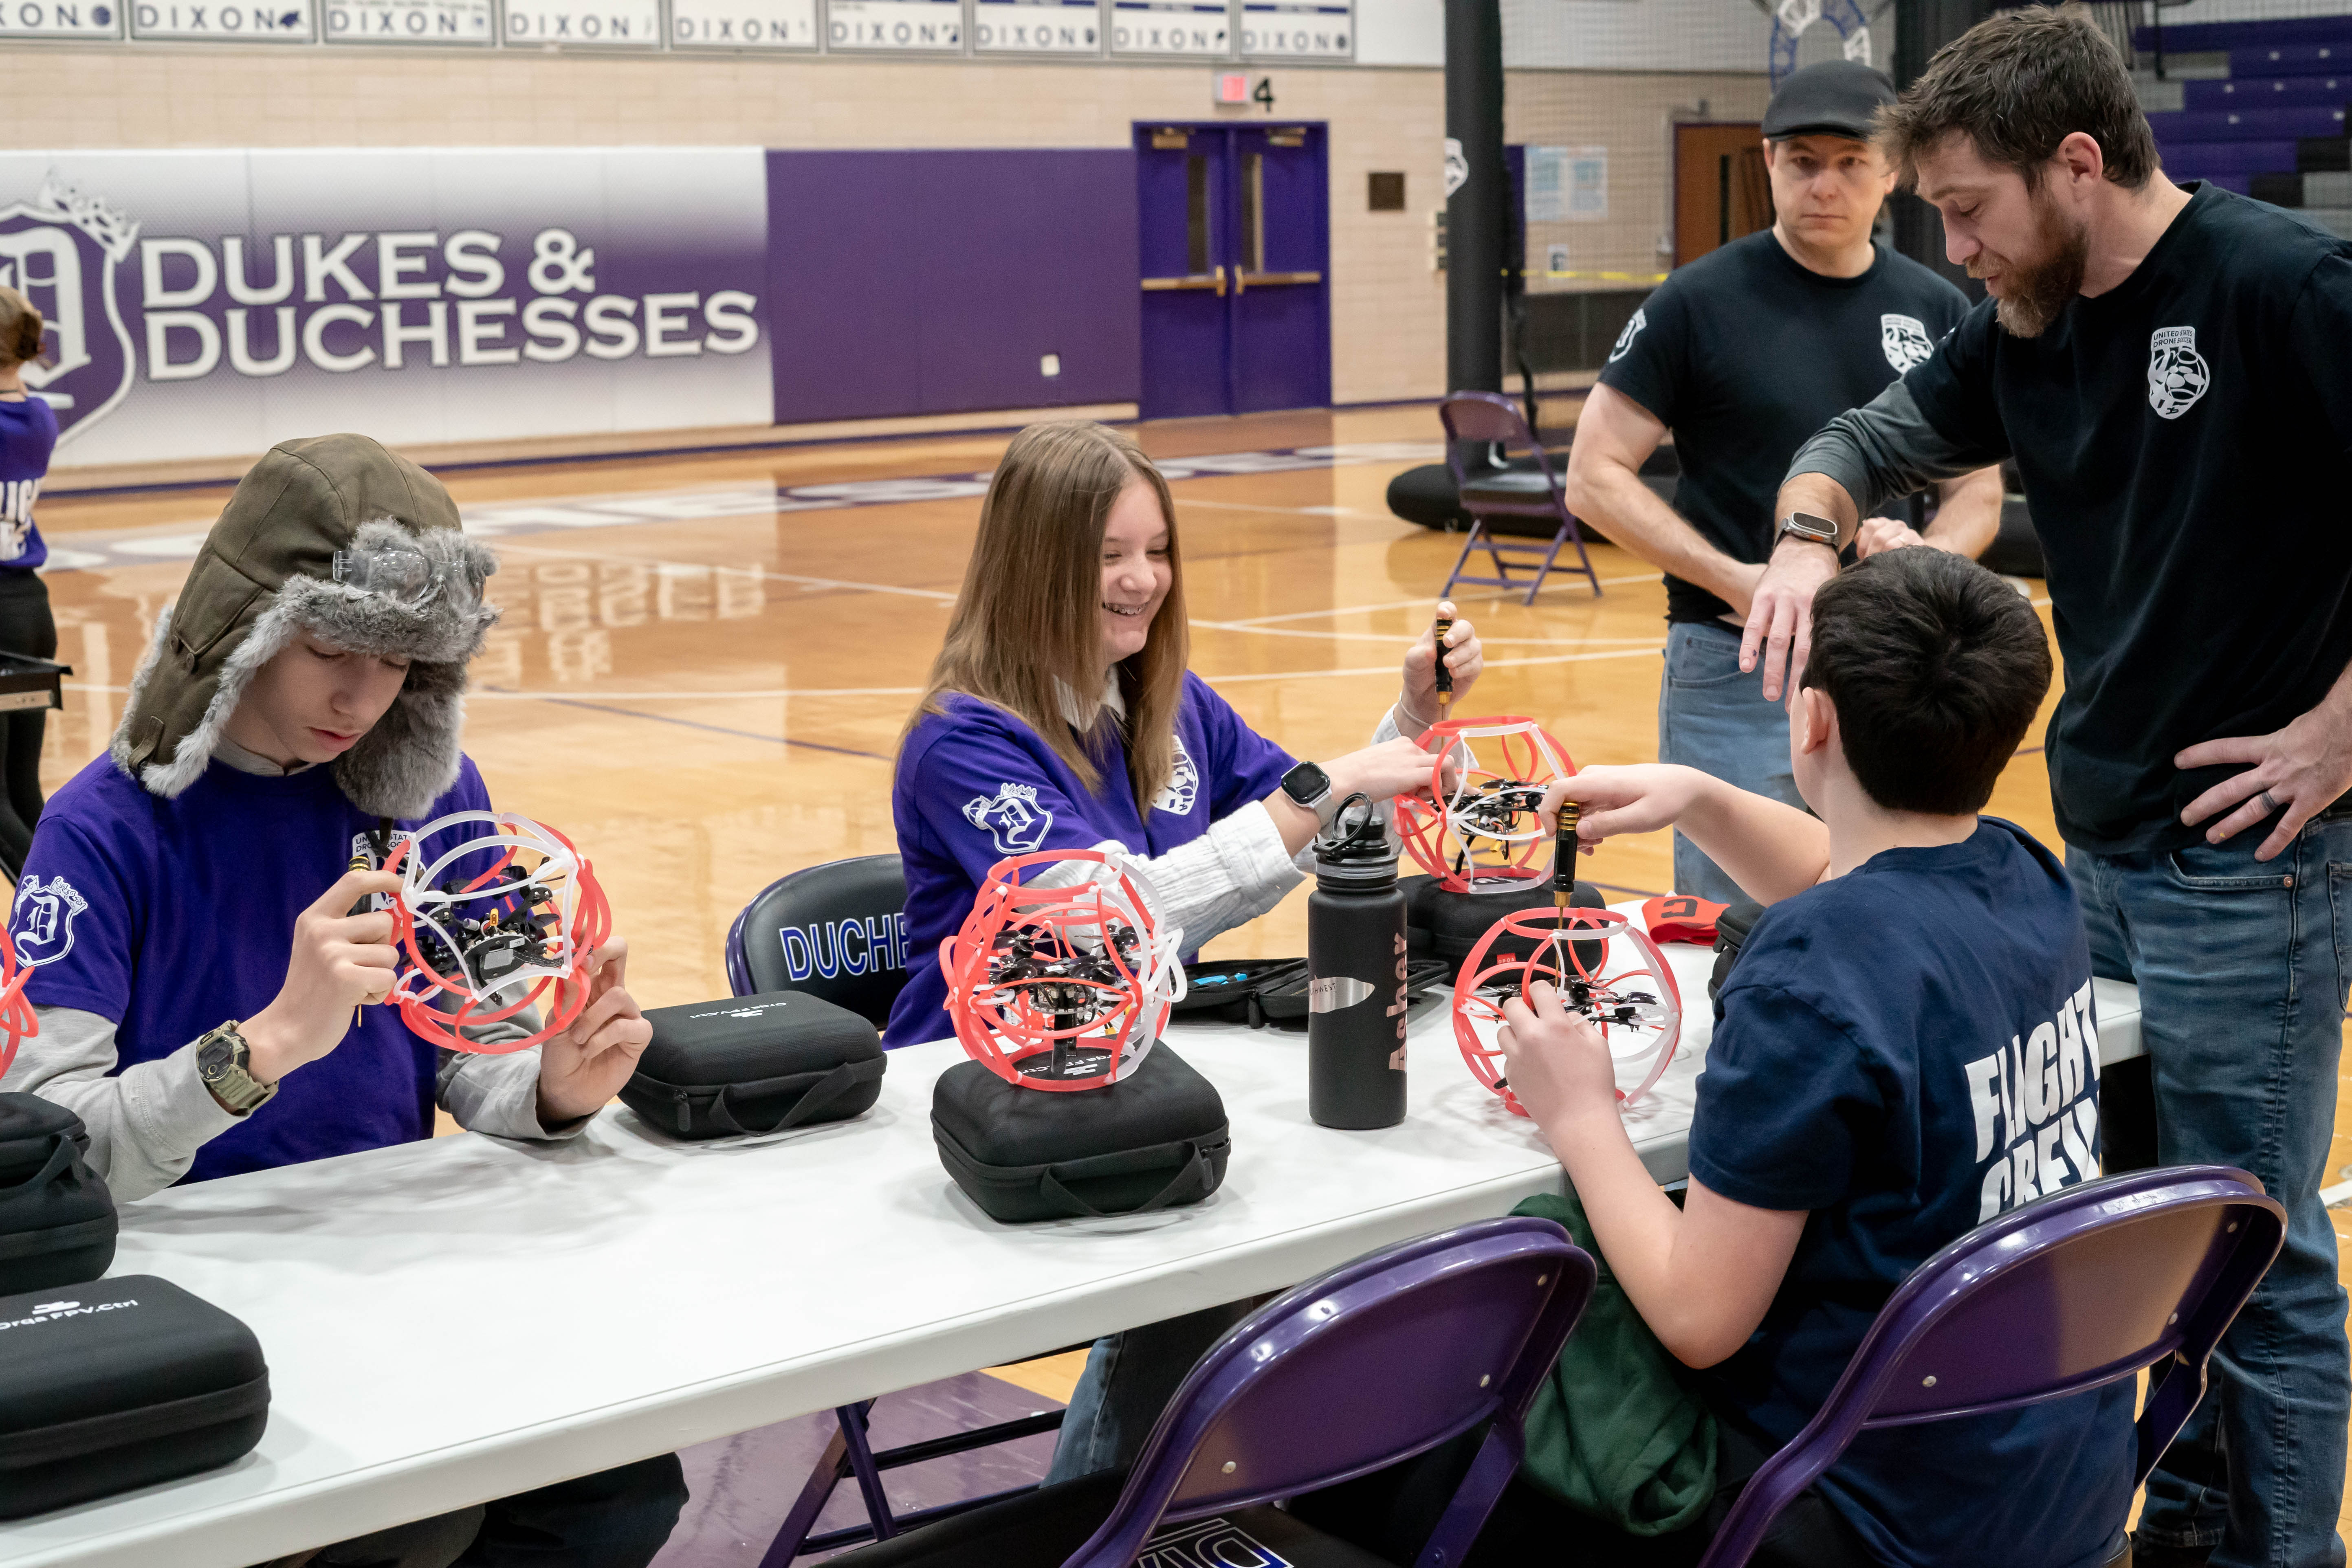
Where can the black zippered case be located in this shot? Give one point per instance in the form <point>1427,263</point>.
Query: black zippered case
<point>1287,999</point>
<point>121,1384</point>
<point>1439,924</point>
<point>755,1064</point>
<point>1228,989</point>
<point>57,1218</point>
<point>1155,1139</point>
<point>1731,928</point>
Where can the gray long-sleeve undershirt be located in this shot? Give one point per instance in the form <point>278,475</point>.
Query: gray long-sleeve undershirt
<point>146,1123</point>
<point>1884,449</point>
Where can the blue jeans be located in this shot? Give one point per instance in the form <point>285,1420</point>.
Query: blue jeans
<point>1129,1380</point>
<point>1715,719</point>
<point>2241,967</point>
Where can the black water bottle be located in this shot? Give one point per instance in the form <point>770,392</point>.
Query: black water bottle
<point>1356,972</point>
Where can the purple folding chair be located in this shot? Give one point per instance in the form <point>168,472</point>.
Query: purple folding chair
<point>1372,1363</point>
<point>1492,419</point>
<point>2065,1295</point>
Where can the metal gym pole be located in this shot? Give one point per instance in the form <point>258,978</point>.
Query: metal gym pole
<point>1476,189</point>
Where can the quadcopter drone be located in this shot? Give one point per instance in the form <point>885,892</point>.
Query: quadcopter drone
<point>1603,967</point>
<point>1482,831</point>
<point>494,943</point>
<point>1063,988</point>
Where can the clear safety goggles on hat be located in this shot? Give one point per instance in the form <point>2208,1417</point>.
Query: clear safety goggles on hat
<point>407,576</point>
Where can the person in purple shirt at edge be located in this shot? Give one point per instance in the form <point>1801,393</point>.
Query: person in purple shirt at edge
<point>28,434</point>
<point>298,712</point>
<point>1060,715</point>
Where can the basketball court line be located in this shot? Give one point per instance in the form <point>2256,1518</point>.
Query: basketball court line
<point>98,550</point>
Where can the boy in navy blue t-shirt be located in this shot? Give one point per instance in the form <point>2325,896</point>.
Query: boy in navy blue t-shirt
<point>1904,1050</point>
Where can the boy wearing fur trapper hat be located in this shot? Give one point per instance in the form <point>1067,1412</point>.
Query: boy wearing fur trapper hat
<point>299,708</point>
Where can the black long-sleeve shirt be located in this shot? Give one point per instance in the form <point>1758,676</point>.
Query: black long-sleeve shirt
<point>2184,441</point>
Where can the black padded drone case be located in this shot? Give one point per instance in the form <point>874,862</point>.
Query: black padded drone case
<point>1227,989</point>
<point>1285,999</point>
<point>1155,1139</point>
<point>1439,924</point>
<point>121,1384</point>
<point>1731,928</point>
<point>57,1218</point>
<point>755,1064</point>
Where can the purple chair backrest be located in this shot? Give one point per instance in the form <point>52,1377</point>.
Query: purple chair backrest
<point>2066,1294</point>
<point>1376,1360</point>
<point>1485,416</point>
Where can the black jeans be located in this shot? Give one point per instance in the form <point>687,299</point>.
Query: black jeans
<point>26,627</point>
<point>619,1518</point>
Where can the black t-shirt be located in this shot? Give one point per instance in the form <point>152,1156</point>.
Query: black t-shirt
<point>2183,439</point>
<point>1744,354</point>
<point>1905,1052</point>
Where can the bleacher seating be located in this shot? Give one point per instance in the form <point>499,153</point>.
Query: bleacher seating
<point>2260,108</point>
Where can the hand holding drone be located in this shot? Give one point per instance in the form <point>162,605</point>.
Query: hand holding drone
<point>481,948</point>
<point>1482,830</point>
<point>1063,988</point>
<point>1628,995</point>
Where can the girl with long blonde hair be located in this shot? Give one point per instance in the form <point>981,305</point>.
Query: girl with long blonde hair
<point>1060,715</point>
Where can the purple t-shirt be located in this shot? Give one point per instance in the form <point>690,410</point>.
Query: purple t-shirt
<point>975,785</point>
<point>28,434</point>
<point>169,916</point>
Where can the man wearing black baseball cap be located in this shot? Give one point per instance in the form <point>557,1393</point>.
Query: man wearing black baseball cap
<point>1743,355</point>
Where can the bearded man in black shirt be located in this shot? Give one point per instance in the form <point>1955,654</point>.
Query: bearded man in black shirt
<point>1743,353</point>
<point>2167,366</point>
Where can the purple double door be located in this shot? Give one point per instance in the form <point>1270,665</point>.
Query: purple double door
<point>1235,229</point>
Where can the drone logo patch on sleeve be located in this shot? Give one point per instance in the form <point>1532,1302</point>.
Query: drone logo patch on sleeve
<point>1011,817</point>
<point>45,917</point>
<point>2178,374</point>
<point>1625,339</point>
<point>1183,784</point>
<point>1905,342</point>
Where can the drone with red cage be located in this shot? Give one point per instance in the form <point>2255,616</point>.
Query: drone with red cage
<point>1063,988</point>
<point>482,947</point>
<point>1603,967</point>
<point>1480,831</point>
<point>17,1020</point>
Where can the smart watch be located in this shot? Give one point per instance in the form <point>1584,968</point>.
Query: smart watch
<point>1310,786</point>
<point>1806,526</point>
<point>224,1062</point>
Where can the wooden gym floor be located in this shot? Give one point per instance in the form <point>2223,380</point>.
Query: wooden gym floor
<point>704,664</point>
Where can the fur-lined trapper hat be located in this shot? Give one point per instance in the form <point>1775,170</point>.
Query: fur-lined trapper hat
<point>269,567</point>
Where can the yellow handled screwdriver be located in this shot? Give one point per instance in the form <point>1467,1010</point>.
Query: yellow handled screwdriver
<point>1563,857</point>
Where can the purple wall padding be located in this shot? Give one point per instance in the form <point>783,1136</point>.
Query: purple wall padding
<point>932,282</point>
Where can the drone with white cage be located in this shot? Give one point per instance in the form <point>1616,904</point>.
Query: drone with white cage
<point>1481,829</point>
<point>1604,968</point>
<point>1063,988</point>
<point>483,941</point>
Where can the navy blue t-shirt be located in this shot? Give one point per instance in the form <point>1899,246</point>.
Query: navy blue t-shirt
<point>28,434</point>
<point>976,784</point>
<point>169,916</point>
<point>1906,1051</point>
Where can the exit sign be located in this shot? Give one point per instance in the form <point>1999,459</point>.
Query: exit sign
<point>1232,90</point>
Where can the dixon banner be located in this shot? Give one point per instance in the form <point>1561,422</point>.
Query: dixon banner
<point>208,304</point>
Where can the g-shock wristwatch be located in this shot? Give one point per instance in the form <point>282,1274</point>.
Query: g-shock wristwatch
<point>224,1061</point>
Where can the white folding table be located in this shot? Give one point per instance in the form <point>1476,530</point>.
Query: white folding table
<point>462,1319</point>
